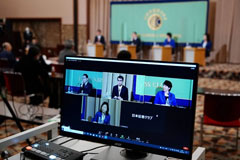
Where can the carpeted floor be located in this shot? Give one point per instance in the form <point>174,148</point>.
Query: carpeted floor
<point>218,141</point>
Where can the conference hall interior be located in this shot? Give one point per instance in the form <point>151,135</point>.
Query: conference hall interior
<point>205,32</point>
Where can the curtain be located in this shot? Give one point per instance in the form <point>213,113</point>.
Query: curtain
<point>226,35</point>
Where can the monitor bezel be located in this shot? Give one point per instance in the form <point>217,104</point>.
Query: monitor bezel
<point>133,146</point>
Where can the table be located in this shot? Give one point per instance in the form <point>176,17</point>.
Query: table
<point>81,145</point>
<point>219,92</point>
<point>161,53</point>
<point>95,50</point>
<point>129,48</point>
<point>194,55</point>
<point>28,114</point>
<point>78,145</point>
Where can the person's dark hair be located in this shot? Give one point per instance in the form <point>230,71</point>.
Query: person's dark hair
<point>124,55</point>
<point>135,33</point>
<point>121,77</point>
<point>33,51</point>
<point>105,103</point>
<point>168,83</point>
<point>208,37</point>
<point>99,30</point>
<point>169,34</point>
<point>68,44</point>
<point>85,75</point>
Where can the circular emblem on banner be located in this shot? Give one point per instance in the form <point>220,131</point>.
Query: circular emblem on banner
<point>154,22</point>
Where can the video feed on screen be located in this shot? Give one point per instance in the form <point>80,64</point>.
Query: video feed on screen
<point>162,91</point>
<point>101,111</point>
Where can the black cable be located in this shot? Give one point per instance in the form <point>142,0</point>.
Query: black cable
<point>91,153</point>
<point>52,140</point>
<point>67,141</point>
<point>94,149</point>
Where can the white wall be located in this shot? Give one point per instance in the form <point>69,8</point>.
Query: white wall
<point>43,9</point>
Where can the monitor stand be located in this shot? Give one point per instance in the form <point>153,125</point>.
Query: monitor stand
<point>118,153</point>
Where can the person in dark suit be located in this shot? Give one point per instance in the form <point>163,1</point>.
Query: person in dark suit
<point>136,41</point>
<point>28,35</point>
<point>99,38</point>
<point>7,54</point>
<point>207,44</point>
<point>85,86</point>
<point>35,76</point>
<point>165,97</point>
<point>119,91</point>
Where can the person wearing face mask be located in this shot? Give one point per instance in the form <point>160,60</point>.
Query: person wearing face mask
<point>28,36</point>
<point>35,76</point>
<point>120,92</point>
<point>102,116</point>
<point>165,97</point>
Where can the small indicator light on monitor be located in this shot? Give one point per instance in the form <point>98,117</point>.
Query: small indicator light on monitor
<point>185,148</point>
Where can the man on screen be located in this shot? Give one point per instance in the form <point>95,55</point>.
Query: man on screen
<point>120,92</point>
<point>85,86</point>
<point>165,97</point>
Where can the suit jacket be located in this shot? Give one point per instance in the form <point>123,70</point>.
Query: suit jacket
<point>123,94</point>
<point>171,43</point>
<point>138,44</point>
<point>28,36</point>
<point>102,40</point>
<point>208,48</point>
<point>86,88</point>
<point>99,115</point>
<point>8,56</point>
<point>161,99</point>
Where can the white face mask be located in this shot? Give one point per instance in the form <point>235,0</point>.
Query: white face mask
<point>27,30</point>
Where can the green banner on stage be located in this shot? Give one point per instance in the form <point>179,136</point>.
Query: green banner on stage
<point>186,20</point>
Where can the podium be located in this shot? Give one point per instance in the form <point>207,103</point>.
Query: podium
<point>194,55</point>
<point>129,48</point>
<point>95,50</point>
<point>161,53</point>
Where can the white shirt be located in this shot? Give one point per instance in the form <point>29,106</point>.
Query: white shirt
<point>119,90</point>
<point>204,44</point>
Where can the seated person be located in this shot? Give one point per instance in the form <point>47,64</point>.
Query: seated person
<point>165,97</point>
<point>170,42</point>
<point>120,92</point>
<point>207,44</point>
<point>35,76</point>
<point>7,54</point>
<point>85,86</point>
<point>67,51</point>
<point>102,116</point>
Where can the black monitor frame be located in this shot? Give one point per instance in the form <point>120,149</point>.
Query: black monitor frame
<point>133,146</point>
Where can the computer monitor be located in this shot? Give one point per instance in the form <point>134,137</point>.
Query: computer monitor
<point>147,106</point>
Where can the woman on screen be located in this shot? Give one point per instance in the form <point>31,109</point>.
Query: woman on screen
<point>102,116</point>
<point>165,97</point>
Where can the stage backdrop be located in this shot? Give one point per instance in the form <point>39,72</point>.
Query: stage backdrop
<point>186,20</point>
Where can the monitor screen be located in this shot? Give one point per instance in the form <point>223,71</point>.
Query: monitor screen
<point>143,105</point>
